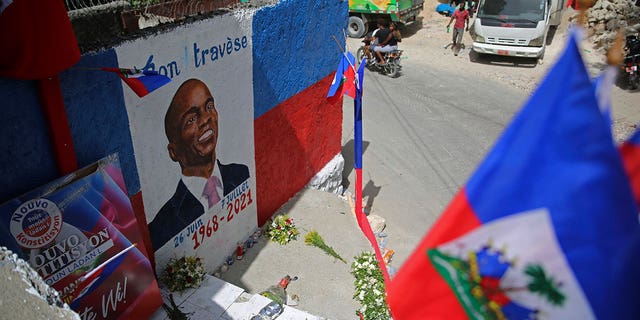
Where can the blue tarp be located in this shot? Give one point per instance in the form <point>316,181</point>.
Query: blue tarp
<point>446,9</point>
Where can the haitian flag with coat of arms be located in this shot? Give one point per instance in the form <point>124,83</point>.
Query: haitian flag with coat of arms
<point>542,229</point>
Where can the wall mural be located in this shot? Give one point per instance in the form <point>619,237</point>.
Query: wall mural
<point>193,138</point>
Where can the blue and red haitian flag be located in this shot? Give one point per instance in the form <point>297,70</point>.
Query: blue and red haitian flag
<point>141,82</point>
<point>344,78</point>
<point>362,220</point>
<point>542,228</point>
<point>70,227</point>
<point>630,151</point>
<point>347,81</point>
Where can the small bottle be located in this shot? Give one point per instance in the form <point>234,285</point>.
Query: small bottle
<point>278,291</point>
<point>448,29</point>
<point>239,252</point>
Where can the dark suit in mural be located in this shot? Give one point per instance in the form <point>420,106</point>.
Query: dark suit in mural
<point>183,207</point>
<point>191,126</point>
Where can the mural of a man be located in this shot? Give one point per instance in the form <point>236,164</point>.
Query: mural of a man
<point>191,126</point>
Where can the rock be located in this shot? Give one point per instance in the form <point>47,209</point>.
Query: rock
<point>329,179</point>
<point>377,223</point>
<point>22,286</point>
<point>607,16</point>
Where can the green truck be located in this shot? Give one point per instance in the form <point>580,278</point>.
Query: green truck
<point>364,13</point>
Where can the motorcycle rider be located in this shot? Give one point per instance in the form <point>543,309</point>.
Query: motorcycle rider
<point>386,41</point>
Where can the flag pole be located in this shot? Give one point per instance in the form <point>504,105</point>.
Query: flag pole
<point>362,220</point>
<point>344,53</point>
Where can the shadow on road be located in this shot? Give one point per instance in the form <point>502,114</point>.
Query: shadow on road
<point>503,61</point>
<point>347,154</point>
<point>370,191</point>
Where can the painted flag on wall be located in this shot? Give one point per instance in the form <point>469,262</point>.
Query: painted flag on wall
<point>630,151</point>
<point>344,79</point>
<point>37,39</point>
<point>141,82</point>
<point>543,225</point>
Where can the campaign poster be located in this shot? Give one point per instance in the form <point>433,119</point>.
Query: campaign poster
<point>193,138</point>
<point>71,227</point>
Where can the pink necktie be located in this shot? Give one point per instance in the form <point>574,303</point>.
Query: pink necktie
<point>211,190</point>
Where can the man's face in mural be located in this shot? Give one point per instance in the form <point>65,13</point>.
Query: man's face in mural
<point>191,125</point>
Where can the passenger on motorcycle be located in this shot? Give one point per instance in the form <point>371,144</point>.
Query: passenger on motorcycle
<point>370,41</point>
<point>395,32</point>
<point>386,41</point>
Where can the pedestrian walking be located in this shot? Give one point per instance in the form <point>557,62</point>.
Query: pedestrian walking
<point>461,16</point>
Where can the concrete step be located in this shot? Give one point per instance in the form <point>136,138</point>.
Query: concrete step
<point>216,299</point>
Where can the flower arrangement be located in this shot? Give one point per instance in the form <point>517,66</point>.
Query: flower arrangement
<point>282,230</point>
<point>313,238</point>
<point>370,291</point>
<point>186,272</point>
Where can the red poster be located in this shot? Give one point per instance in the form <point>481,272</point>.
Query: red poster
<point>84,224</point>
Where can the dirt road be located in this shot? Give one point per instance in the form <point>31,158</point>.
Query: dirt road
<point>424,42</point>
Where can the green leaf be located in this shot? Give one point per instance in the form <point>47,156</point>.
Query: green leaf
<point>544,285</point>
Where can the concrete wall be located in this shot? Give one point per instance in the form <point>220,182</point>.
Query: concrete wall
<point>297,131</point>
<point>291,132</point>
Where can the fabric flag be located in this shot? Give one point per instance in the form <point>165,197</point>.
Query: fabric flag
<point>94,278</point>
<point>630,151</point>
<point>37,38</point>
<point>141,82</point>
<point>363,222</point>
<point>543,225</point>
<point>344,79</point>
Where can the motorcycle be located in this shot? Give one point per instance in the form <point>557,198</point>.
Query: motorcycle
<point>392,61</point>
<point>631,62</point>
